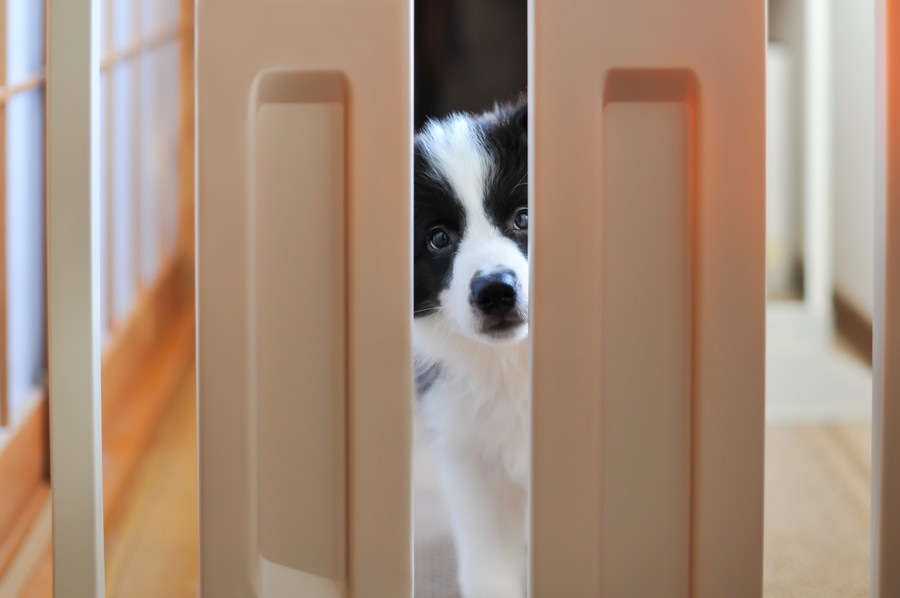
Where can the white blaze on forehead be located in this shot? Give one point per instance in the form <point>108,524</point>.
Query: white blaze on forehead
<point>458,156</point>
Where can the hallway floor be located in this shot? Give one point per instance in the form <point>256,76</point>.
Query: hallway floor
<point>152,544</point>
<point>818,466</point>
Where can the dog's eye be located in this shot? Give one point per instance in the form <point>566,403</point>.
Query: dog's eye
<point>439,239</point>
<point>520,220</point>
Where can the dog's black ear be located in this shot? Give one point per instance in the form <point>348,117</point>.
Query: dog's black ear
<point>520,119</point>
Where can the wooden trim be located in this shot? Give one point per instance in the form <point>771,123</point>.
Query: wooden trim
<point>853,326</point>
<point>73,113</point>
<point>30,83</point>
<point>141,45</point>
<point>23,478</point>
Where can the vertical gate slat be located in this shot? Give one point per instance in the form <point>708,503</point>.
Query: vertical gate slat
<point>886,408</point>
<point>304,365</point>
<point>73,71</point>
<point>648,197</point>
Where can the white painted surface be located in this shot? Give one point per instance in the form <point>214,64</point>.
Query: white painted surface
<point>818,201</point>
<point>853,121</point>
<point>73,294</point>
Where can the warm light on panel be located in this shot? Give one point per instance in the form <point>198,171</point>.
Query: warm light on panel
<point>647,327</point>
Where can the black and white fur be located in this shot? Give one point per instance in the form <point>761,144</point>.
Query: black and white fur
<point>470,335</point>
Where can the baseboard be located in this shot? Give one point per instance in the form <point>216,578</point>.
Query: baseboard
<point>141,371</point>
<point>23,480</point>
<point>853,326</point>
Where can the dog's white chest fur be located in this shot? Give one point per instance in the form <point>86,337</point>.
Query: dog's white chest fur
<point>479,404</point>
<point>477,414</point>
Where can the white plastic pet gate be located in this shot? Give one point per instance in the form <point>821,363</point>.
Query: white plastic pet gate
<point>647,191</point>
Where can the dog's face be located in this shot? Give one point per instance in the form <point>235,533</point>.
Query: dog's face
<point>471,226</point>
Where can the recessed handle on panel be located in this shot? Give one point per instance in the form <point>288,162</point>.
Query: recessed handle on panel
<point>298,325</point>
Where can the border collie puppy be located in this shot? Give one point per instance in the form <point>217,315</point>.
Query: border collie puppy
<point>470,335</point>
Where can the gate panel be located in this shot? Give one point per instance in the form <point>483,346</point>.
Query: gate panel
<point>304,375</point>
<point>648,183</point>
<point>646,301</point>
<point>886,382</point>
<point>73,300</point>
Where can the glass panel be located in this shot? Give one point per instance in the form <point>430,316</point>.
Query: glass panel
<point>25,39</point>
<point>123,187</point>
<point>24,243</point>
<point>123,23</point>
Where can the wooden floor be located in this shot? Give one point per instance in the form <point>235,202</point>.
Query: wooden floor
<point>817,513</point>
<point>152,543</point>
<point>817,510</point>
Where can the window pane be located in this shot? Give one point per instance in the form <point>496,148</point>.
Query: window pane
<point>25,39</point>
<point>123,188</point>
<point>24,243</point>
<point>123,19</point>
<point>169,13</point>
<point>151,16</point>
<point>150,175</point>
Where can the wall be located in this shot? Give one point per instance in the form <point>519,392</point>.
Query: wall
<point>853,55</point>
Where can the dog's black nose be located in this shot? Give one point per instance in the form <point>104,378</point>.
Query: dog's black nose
<point>494,294</point>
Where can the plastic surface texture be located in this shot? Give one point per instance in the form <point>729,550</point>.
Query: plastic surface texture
<point>886,408</point>
<point>647,128</point>
<point>73,243</point>
<point>304,300</point>
<point>298,320</point>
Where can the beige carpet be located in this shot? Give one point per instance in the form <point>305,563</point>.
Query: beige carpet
<point>816,526</point>
<point>817,511</point>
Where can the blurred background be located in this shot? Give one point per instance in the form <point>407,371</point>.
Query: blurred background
<point>469,54</point>
<point>146,187</point>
